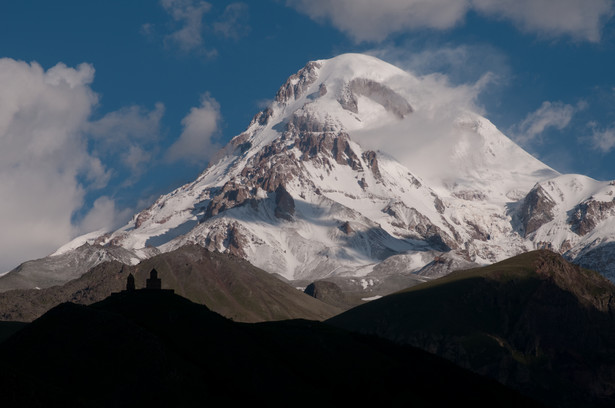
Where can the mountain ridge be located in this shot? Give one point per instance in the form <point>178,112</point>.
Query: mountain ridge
<point>534,322</point>
<point>159,349</point>
<point>297,194</point>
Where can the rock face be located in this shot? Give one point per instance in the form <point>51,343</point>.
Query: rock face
<point>537,210</point>
<point>284,204</point>
<point>379,93</point>
<point>278,193</point>
<point>588,214</point>
<point>327,292</point>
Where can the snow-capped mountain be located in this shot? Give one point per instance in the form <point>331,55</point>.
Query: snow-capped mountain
<point>349,173</point>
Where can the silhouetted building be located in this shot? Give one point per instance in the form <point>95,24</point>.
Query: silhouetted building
<point>130,283</point>
<point>153,283</point>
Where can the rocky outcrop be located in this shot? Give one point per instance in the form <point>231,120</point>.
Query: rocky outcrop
<point>284,204</point>
<point>231,195</point>
<point>346,228</point>
<point>536,210</point>
<point>297,84</point>
<point>371,158</point>
<point>419,226</point>
<point>327,292</point>
<point>377,92</point>
<point>318,141</point>
<point>585,216</point>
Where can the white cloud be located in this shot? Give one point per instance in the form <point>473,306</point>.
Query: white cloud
<point>199,127</point>
<point>131,133</point>
<point>189,15</point>
<point>44,155</point>
<point>432,130</point>
<point>365,20</point>
<point>233,22</point>
<point>103,216</point>
<point>603,139</point>
<point>550,115</point>
<point>462,63</point>
<point>580,19</point>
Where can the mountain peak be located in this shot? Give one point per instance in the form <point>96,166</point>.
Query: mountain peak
<point>356,161</point>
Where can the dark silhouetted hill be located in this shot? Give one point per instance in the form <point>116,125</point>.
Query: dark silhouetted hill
<point>152,348</point>
<point>534,322</point>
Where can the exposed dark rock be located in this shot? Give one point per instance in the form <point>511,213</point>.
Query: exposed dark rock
<point>585,216</point>
<point>371,159</point>
<point>536,210</point>
<point>297,84</point>
<point>322,90</point>
<point>231,195</point>
<point>381,94</point>
<point>471,195</point>
<point>306,123</point>
<point>142,217</point>
<point>319,146</point>
<point>236,241</point>
<point>327,292</point>
<point>284,204</point>
<point>439,204</point>
<point>346,228</point>
<point>476,232</point>
<point>421,226</point>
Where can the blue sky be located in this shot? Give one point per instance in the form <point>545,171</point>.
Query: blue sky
<point>106,105</point>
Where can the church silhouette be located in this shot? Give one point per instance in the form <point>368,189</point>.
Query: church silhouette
<point>153,283</point>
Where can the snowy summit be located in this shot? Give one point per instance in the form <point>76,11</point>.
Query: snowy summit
<point>359,168</point>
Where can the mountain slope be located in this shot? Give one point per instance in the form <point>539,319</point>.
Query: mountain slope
<point>357,165</point>
<point>226,284</point>
<point>533,322</point>
<point>158,349</point>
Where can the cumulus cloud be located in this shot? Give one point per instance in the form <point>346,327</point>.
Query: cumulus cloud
<point>462,63</point>
<point>580,19</point>
<point>43,115</point>
<point>550,115</point>
<point>374,21</point>
<point>200,126</point>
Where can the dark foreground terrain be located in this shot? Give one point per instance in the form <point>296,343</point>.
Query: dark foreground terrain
<point>157,348</point>
<point>533,322</point>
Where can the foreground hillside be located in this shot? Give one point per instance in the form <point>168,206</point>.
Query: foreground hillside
<point>150,347</point>
<point>224,283</point>
<point>534,322</point>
